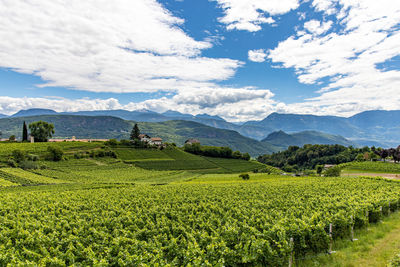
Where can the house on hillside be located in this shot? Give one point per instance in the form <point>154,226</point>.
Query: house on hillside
<point>155,141</point>
<point>74,139</point>
<point>192,141</point>
<point>144,138</point>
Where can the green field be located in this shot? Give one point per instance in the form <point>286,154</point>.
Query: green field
<point>373,167</point>
<point>168,207</point>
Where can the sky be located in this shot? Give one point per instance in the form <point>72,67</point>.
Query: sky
<point>238,59</point>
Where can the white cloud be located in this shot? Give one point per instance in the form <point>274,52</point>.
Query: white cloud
<point>249,15</point>
<point>105,46</point>
<point>316,27</point>
<point>346,61</point>
<point>230,103</point>
<point>257,55</point>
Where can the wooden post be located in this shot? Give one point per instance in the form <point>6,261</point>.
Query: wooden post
<point>352,229</point>
<point>291,252</point>
<point>331,239</point>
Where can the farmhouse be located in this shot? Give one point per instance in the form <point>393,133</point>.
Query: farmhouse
<point>144,138</point>
<point>155,141</point>
<point>192,141</point>
<point>74,139</point>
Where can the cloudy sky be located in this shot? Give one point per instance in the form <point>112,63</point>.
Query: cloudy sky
<point>238,59</point>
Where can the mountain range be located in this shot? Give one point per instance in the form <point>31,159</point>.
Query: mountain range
<point>377,127</point>
<point>176,131</point>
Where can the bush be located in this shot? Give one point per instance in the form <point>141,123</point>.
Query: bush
<point>32,157</point>
<point>29,165</point>
<point>333,172</point>
<point>18,155</point>
<point>12,163</point>
<point>55,153</point>
<point>111,142</point>
<point>319,169</point>
<point>125,142</point>
<point>79,155</point>
<point>244,176</point>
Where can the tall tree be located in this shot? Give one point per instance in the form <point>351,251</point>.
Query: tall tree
<point>24,133</point>
<point>41,130</point>
<point>135,132</point>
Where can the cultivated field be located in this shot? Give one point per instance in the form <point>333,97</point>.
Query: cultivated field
<point>138,210</point>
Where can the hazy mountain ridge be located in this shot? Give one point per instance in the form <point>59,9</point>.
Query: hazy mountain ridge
<point>367,128</point>
<point>176,131</point>
<point>284,140</point>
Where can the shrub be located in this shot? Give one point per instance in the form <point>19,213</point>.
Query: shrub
<point>333,172</point>
<point>12,163</point>
<point>125,142</point>
<point>79,155</point>
<point>244,176</point>
<point>319,169</point>
<point>18,155</point>
<point>111,142</point>
<point>55,153</point>
<point>32,157</point>
<point>29,165</point>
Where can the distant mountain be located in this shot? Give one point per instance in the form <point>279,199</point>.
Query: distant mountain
<point>179,131</point>
<point>297,123</point>
<point>113,127</point>
<point>34,112</point>
<point>3,116</point>
<point>379,128</point>
<point>284,140</point>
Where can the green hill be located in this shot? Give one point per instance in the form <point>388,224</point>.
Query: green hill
<point>179,131</point>
<point>284,140</point>
<point>112,127</point>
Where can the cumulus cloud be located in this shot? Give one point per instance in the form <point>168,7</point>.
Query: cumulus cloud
<point>249,15</point>
<point>230,103</point>
<point>105,46</point>
<point>346,62</point>
<point>258,55</point>
<point>316,27</point>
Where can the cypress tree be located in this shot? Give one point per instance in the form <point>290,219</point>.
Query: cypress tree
<point>135,132</point>
<point>25,133</point>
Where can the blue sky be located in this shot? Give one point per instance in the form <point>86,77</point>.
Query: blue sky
<point>241,60</point>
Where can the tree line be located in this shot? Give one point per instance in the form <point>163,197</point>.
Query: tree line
<point>214,151</point>
<point>309,156</point>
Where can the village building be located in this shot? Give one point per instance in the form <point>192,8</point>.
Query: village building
<point>74,139</point>
<point>155,141</point>
<point>192,141</point>
<point>144,138</point>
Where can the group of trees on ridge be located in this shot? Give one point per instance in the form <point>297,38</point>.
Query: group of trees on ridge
<point>309,156</point>
<point>214,151</point>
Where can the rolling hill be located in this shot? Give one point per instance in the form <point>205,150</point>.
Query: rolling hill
<point>112,127</point>
<point>284,140</point>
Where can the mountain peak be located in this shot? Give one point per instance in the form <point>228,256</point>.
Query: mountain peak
<point>34,112</point>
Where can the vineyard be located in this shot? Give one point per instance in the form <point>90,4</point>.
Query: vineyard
<point>371,166</point>
<point>210,223</point>
<point>168,207</point>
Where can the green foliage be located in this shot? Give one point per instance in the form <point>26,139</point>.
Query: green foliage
<point>24,132</point>
<point>309,156</point>
<point>395,261</point>
<point>12,138</point>
<point>54,153</point>
<point>233,224</point>
<point>111,142</point>
<point>29,165</point>
<point>319,169</point>
<point>18,155</point>
<point>135,132</point>
<point>41,130</point>
<point>244,176</point>
<point>214,151</point>
<point>334,171</point>
<point>373,166</point>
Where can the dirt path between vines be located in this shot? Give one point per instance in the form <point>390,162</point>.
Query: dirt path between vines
<point>384,248</point>
<point>384,175</point>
